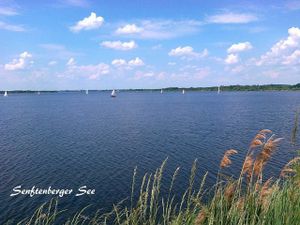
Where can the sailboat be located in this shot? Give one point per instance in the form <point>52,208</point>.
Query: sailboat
<point>87,92</point>
<point>183,91</point>
<point>113,93</point>
<point>161,91</point>
<point>5,94</point>
<point>39,93</point>
<point>219,90</point>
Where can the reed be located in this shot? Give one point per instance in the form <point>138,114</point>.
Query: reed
<point>248,200</point>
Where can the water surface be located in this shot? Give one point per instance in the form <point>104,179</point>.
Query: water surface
<point>67,140</point>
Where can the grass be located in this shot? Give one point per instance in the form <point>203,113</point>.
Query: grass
<point>251,199</point>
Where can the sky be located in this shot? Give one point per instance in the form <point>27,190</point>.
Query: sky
<point>117,44</point>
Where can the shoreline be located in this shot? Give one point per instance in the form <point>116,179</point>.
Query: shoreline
<point>229,88</point>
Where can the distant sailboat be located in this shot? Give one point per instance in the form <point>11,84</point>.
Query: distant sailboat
<point>219,90</point>
<point>183,91</point>
<point>161,91</point>
<point>113,93</point>
<point>39,93</point>
<point>5,94</point>
<point>87,92</point>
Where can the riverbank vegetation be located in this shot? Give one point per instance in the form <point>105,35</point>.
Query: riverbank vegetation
<point>249,199</point>
<point>266,87</point>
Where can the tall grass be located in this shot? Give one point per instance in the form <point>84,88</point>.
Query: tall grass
<point>251,199</point>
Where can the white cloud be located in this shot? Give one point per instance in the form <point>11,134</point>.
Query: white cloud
<point>71,62</point>
<point>88,23</point>
<point>91,71</point>
<point>136,62</point>
<point>232,59</point>
<point>20,63</point>
<point>234,18</point>
<point>187,51</point>
<point>129,29</point>
<point>159,29</point>
<point>128,65</point>
<point>52,63</point>
<point>294,58</point>
<point>118,45</point>
<point>119,62</point>
<point>240,47</point>
<point>149,75</point>
<point>11,27</point>
<point>7,11</point>
<point>282,48</point>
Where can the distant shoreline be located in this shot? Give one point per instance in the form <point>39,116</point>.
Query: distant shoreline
<point>267,87</point>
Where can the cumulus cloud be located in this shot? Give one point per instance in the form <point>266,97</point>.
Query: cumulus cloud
<point>294,58</point>
<point>91,71</point>
<point>119,62</point>
<point>136,62</point>
<point>88,23</point>
<point>239,47</point>
<point>187,51</point>
<point>129,29</point>
<point>131,63</point>
<point>20,63</point>
<point>118,45</point>
<point>234,18</point>
<point>232,59</point>
<point>282,48</point>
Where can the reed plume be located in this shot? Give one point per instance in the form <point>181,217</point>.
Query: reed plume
<point>288,168</point>
<point>266,189</point>
<point>263,157</point>
<point>265,131</point>
<point>229,191</point>
<point>255,143</point>
<point>226,161</point>
<point>201,217</point>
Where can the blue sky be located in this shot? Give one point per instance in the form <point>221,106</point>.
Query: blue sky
<point>89,44</point>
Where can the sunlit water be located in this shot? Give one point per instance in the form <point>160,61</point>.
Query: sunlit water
<point>67,140</point>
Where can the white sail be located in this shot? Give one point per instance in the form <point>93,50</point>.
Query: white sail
<point>161,91</point>
<point>219,90</point>
<point>5,94</point>
<point>113,93</point>
<point>87,92</point>
<point>183,91</point>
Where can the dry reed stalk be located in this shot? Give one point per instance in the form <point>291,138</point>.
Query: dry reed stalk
<point>266,189</point>
<point>287,169</point>
<point>247,166</point>
<point>201,217</point>
<point>229,191</point>
<point>225,162</point>
<point>241,204</point>
<point>264,156</point>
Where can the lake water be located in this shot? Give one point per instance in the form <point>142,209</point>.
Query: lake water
<point>67,140</point>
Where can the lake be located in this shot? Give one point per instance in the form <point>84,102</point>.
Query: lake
<point>68,140</point>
